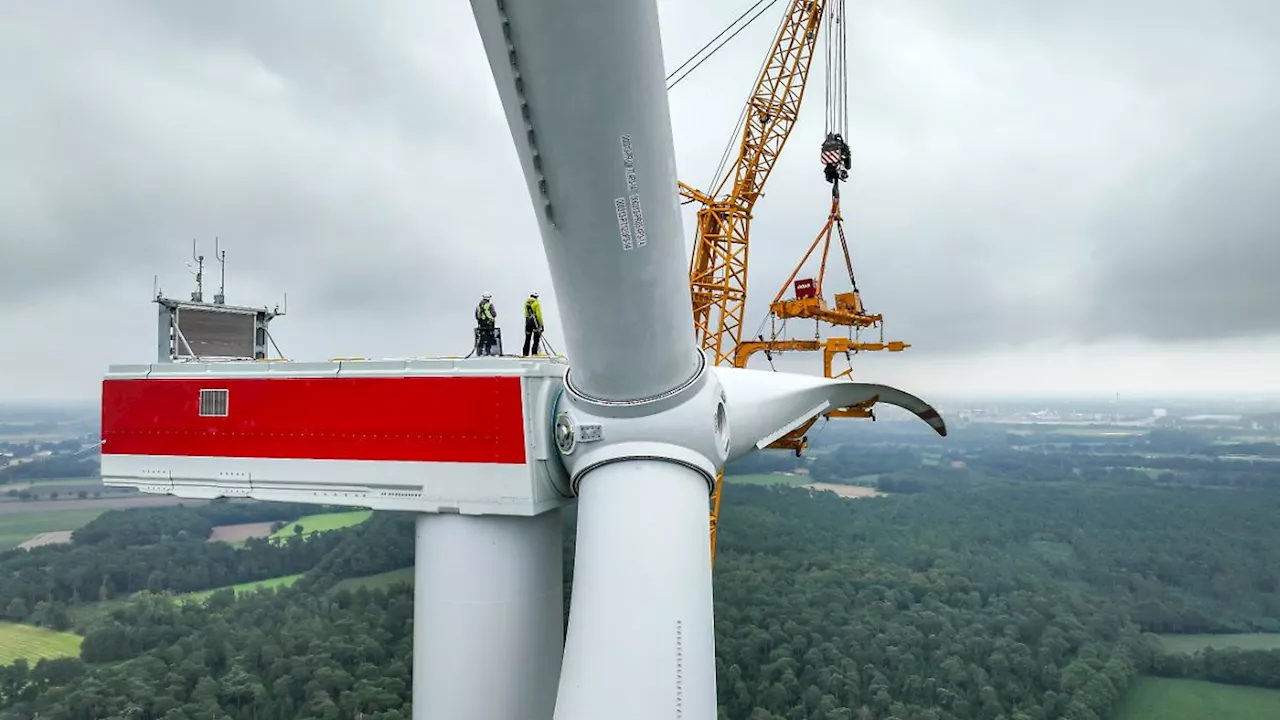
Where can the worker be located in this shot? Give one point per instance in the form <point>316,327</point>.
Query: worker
<point>532,325</point>
<point>486,317</point>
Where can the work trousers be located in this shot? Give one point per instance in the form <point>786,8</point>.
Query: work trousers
<point>487,339</point>
<point>532,337</point>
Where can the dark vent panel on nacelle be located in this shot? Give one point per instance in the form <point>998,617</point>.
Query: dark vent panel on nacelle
<point>213,403</point>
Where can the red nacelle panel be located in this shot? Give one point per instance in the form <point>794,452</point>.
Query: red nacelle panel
<point>422,419</point>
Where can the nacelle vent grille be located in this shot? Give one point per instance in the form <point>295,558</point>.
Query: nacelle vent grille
<point>213,403</point>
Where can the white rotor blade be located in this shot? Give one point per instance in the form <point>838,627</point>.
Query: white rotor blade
<point>583,87</point>
<point>763,406</point>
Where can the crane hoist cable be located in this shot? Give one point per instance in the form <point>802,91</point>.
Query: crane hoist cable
<point>835,124</point>
<point>837,85</point>
<point>836,158</point>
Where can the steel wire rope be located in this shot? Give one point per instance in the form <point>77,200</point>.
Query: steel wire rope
<point>709,42</point>
<point>742,116</point>
<point>688,72</point>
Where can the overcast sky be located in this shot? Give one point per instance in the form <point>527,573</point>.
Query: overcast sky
<point>1045,196</point>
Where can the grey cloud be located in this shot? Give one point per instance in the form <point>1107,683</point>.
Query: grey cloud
<point>1203,258</point>
<point>315,139</point>
<point>1029,172</point>
<point>1024,173</point>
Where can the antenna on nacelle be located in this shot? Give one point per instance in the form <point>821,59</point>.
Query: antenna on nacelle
<point>221,257</point>
<point>198,271</point>
<point>196,330</point>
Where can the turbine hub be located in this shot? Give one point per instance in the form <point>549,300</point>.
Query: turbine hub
<point>688,425</point>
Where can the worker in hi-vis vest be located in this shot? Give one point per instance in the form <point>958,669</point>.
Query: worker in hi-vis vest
<point>532,325</point>
<point>486,317</point>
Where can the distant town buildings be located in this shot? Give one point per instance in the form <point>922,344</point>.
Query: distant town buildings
<point>1130,416</point>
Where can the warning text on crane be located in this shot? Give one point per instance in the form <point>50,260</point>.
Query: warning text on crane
<point>639,218</point>
<point>624,227</point>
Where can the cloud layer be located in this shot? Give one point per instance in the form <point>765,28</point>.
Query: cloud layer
<point>1027,176</point>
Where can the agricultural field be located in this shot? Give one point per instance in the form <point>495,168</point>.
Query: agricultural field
<point>322,523</point>
<point>57,537</point>
<point>767,479</point>
<point>33,643</point>
<point>17,528</point>
<point>23,521</point>
<point>87,613</point>
<point>79,483</point>
<point>1167,699</point>
<point>376,582</point>
<point>40,507</point>
<point>242,588</point>
<point>235,535</point>
<point>1244,641</point>
<point>851,492</point>
<point>62,489</point>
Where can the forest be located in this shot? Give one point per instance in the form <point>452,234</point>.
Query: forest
<point>157,550</point>
<point>991,592</point>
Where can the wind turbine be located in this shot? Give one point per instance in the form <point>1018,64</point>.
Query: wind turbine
<point>486,450</point>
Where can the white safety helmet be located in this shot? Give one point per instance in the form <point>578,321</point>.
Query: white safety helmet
<point>533,295</point>
<point>486,296</point>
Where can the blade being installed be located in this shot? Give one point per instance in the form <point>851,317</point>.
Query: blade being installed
<point>583,88</point>
<point>766,405</point>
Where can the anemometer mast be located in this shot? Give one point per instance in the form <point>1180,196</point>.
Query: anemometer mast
<point>193,330</point>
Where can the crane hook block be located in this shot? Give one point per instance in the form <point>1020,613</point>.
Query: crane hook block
<point>836,158</point>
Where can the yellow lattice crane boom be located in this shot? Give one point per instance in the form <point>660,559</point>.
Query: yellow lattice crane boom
<point>718,270</point>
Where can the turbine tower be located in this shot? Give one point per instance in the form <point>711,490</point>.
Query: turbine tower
<point>487,450</point>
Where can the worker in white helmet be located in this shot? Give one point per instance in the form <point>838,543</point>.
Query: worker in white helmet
<point>486,320</point>
<point>532,325</point>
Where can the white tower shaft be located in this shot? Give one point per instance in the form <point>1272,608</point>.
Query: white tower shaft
<point>488,616</point>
